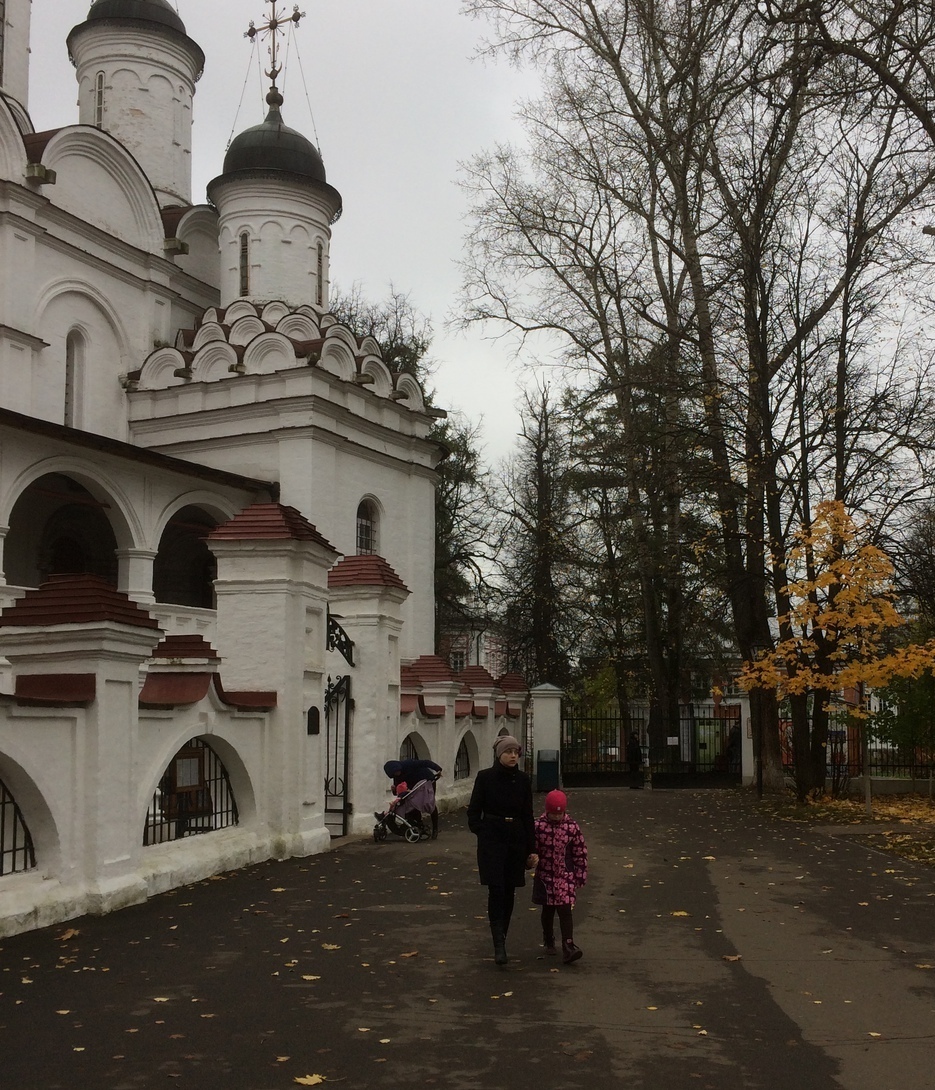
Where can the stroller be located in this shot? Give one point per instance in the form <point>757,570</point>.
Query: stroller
<point>409,814</point>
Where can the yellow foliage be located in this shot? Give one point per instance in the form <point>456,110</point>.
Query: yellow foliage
<point>841,606</point>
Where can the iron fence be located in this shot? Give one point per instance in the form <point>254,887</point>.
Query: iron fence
<point>706,743</point>
<point>905,751</point>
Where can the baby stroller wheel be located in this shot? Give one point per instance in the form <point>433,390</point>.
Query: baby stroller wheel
<point>379,833</point>
<point>413,836</point>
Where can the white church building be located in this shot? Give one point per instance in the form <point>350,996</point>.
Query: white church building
<point>216,501</point>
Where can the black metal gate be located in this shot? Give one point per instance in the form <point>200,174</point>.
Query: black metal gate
<point>338,705</point>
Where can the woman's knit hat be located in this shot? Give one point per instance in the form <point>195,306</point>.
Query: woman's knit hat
<point>504,742</point>
<point>556,802</point>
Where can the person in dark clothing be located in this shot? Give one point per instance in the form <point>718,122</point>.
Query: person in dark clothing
<point>410,772</point>
<point>635,759</point>
<point>500,816</point>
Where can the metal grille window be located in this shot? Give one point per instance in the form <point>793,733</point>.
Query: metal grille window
<point>462,761</point>
<point>194,796</point>
<point>16,848</point>
<point>366,528</point>
<point>245,264</point>
<point>408,751</point>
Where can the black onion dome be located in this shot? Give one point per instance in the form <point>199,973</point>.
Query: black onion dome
<point>274,146</point>
<point>147,11</point>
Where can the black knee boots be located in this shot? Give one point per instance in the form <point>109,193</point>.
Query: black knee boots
<point>499,943</point>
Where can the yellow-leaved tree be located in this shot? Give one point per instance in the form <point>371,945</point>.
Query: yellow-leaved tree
<point>838,624</point>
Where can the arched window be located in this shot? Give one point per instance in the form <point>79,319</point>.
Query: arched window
<point>462,761</point>
<point>366,528</point>
<point>16,847</point>
<point>194,796</point>
<point>319,276</point>
<point>99,100</point>
<point>244,264</point>
<point>74,370</point>
<point>408,751</point>
<point>185,568</point>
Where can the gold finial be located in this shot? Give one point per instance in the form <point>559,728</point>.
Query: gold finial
<point>272,28</point>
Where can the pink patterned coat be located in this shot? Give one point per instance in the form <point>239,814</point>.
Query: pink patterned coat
<point>563,861</point>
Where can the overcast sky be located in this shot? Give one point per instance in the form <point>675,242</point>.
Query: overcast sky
<point>397,102</point>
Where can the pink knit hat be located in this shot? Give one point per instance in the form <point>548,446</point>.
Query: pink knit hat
<point>556,802</point>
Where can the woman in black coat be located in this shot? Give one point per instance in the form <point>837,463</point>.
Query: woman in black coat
<point>500,816</point>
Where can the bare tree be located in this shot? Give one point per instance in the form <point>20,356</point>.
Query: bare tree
<point>712,178</point>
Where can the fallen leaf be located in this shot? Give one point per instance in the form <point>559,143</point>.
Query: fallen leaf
<point>411,954</point>
<point>69,1012</point>
<point>69,934</point>
<point>160,999</point>
<point>363,1029</point>
<point>308,976</point>
<point>310,1080</point>
<point>731,957</point>
<point>679,913</point>
<point>80,1048</point>
<point>278,889</point>
<point>384,1040</point>
<point>282,1059</point>
<point>329,946</point>
<point>874,1034</point>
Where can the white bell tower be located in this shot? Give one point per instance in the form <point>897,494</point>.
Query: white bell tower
<point>137,70</point>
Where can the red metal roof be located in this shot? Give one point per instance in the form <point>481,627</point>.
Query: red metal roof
<point>188,646</point>
<point>164,690</point>
<point>246,700</point>
<point>431,668</point>
<point>269,522</point>
<point>408,677</point>
<point>513,683</point>
<point>368,570</point>
<point>477,677</point>
<point>61,690</point>
<point>75,599</point>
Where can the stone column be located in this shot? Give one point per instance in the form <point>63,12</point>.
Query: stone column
<point>547,722</point>
<point>271,634</point>
<point>371,614</point>
<point>135,574</point>
<point>92,662</point>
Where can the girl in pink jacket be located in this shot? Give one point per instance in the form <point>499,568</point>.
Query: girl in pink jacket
<point>562,868</point>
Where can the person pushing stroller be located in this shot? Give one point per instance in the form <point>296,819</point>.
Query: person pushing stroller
<point>409,773</point>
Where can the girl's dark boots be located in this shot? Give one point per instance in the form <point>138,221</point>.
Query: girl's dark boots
<point>548,941</point>
<point>570,952</point>
<point>499,944</point>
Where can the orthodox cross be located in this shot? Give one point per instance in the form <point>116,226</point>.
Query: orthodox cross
<point>272,28</point>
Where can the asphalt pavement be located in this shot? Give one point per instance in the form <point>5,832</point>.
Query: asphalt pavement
<point>723,949</point>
